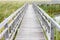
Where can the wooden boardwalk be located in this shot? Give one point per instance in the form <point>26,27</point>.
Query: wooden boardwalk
<point>30,28</point>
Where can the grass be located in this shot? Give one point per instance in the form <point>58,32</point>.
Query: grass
<point>6,8</point>
<point>57,34</point>
<point>1,30</point>
<point>52,10</point>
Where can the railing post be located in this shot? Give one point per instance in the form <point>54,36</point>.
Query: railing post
<point>6,25</point>
<point>6,35</point>
<point>11,26</point>
<point>51,22</point>
<point>52,31</point>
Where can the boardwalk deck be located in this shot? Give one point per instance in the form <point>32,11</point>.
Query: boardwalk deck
<point>30,28</point>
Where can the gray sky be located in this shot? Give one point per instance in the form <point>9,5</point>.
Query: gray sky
<point>25,0</point>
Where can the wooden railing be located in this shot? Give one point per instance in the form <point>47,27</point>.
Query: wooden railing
<point>47,23</point>
<point>10,25</point>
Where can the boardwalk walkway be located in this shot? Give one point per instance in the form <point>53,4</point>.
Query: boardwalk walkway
<point>30,28</point>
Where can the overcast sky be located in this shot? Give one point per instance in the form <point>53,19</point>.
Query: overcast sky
<point>25,0</point>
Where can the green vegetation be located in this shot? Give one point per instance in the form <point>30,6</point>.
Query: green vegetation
<point>6,8</point>
<point>57,34</point>
<point>52,10</point>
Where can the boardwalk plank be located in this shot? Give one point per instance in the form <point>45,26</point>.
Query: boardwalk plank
<point>30,28</point>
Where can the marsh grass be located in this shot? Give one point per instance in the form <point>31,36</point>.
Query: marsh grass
<point>6,8</point>
<point>52,10</point>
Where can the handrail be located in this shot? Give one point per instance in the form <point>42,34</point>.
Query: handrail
<point>49,18</point>
<point>10,17</point>
<point>48,22</point>
<point>12,23</point>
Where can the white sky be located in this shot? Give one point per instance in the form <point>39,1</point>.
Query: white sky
<point>25,0</point>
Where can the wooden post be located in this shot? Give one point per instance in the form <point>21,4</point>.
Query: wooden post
<point>52,32</point>
<point>6,35</point>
